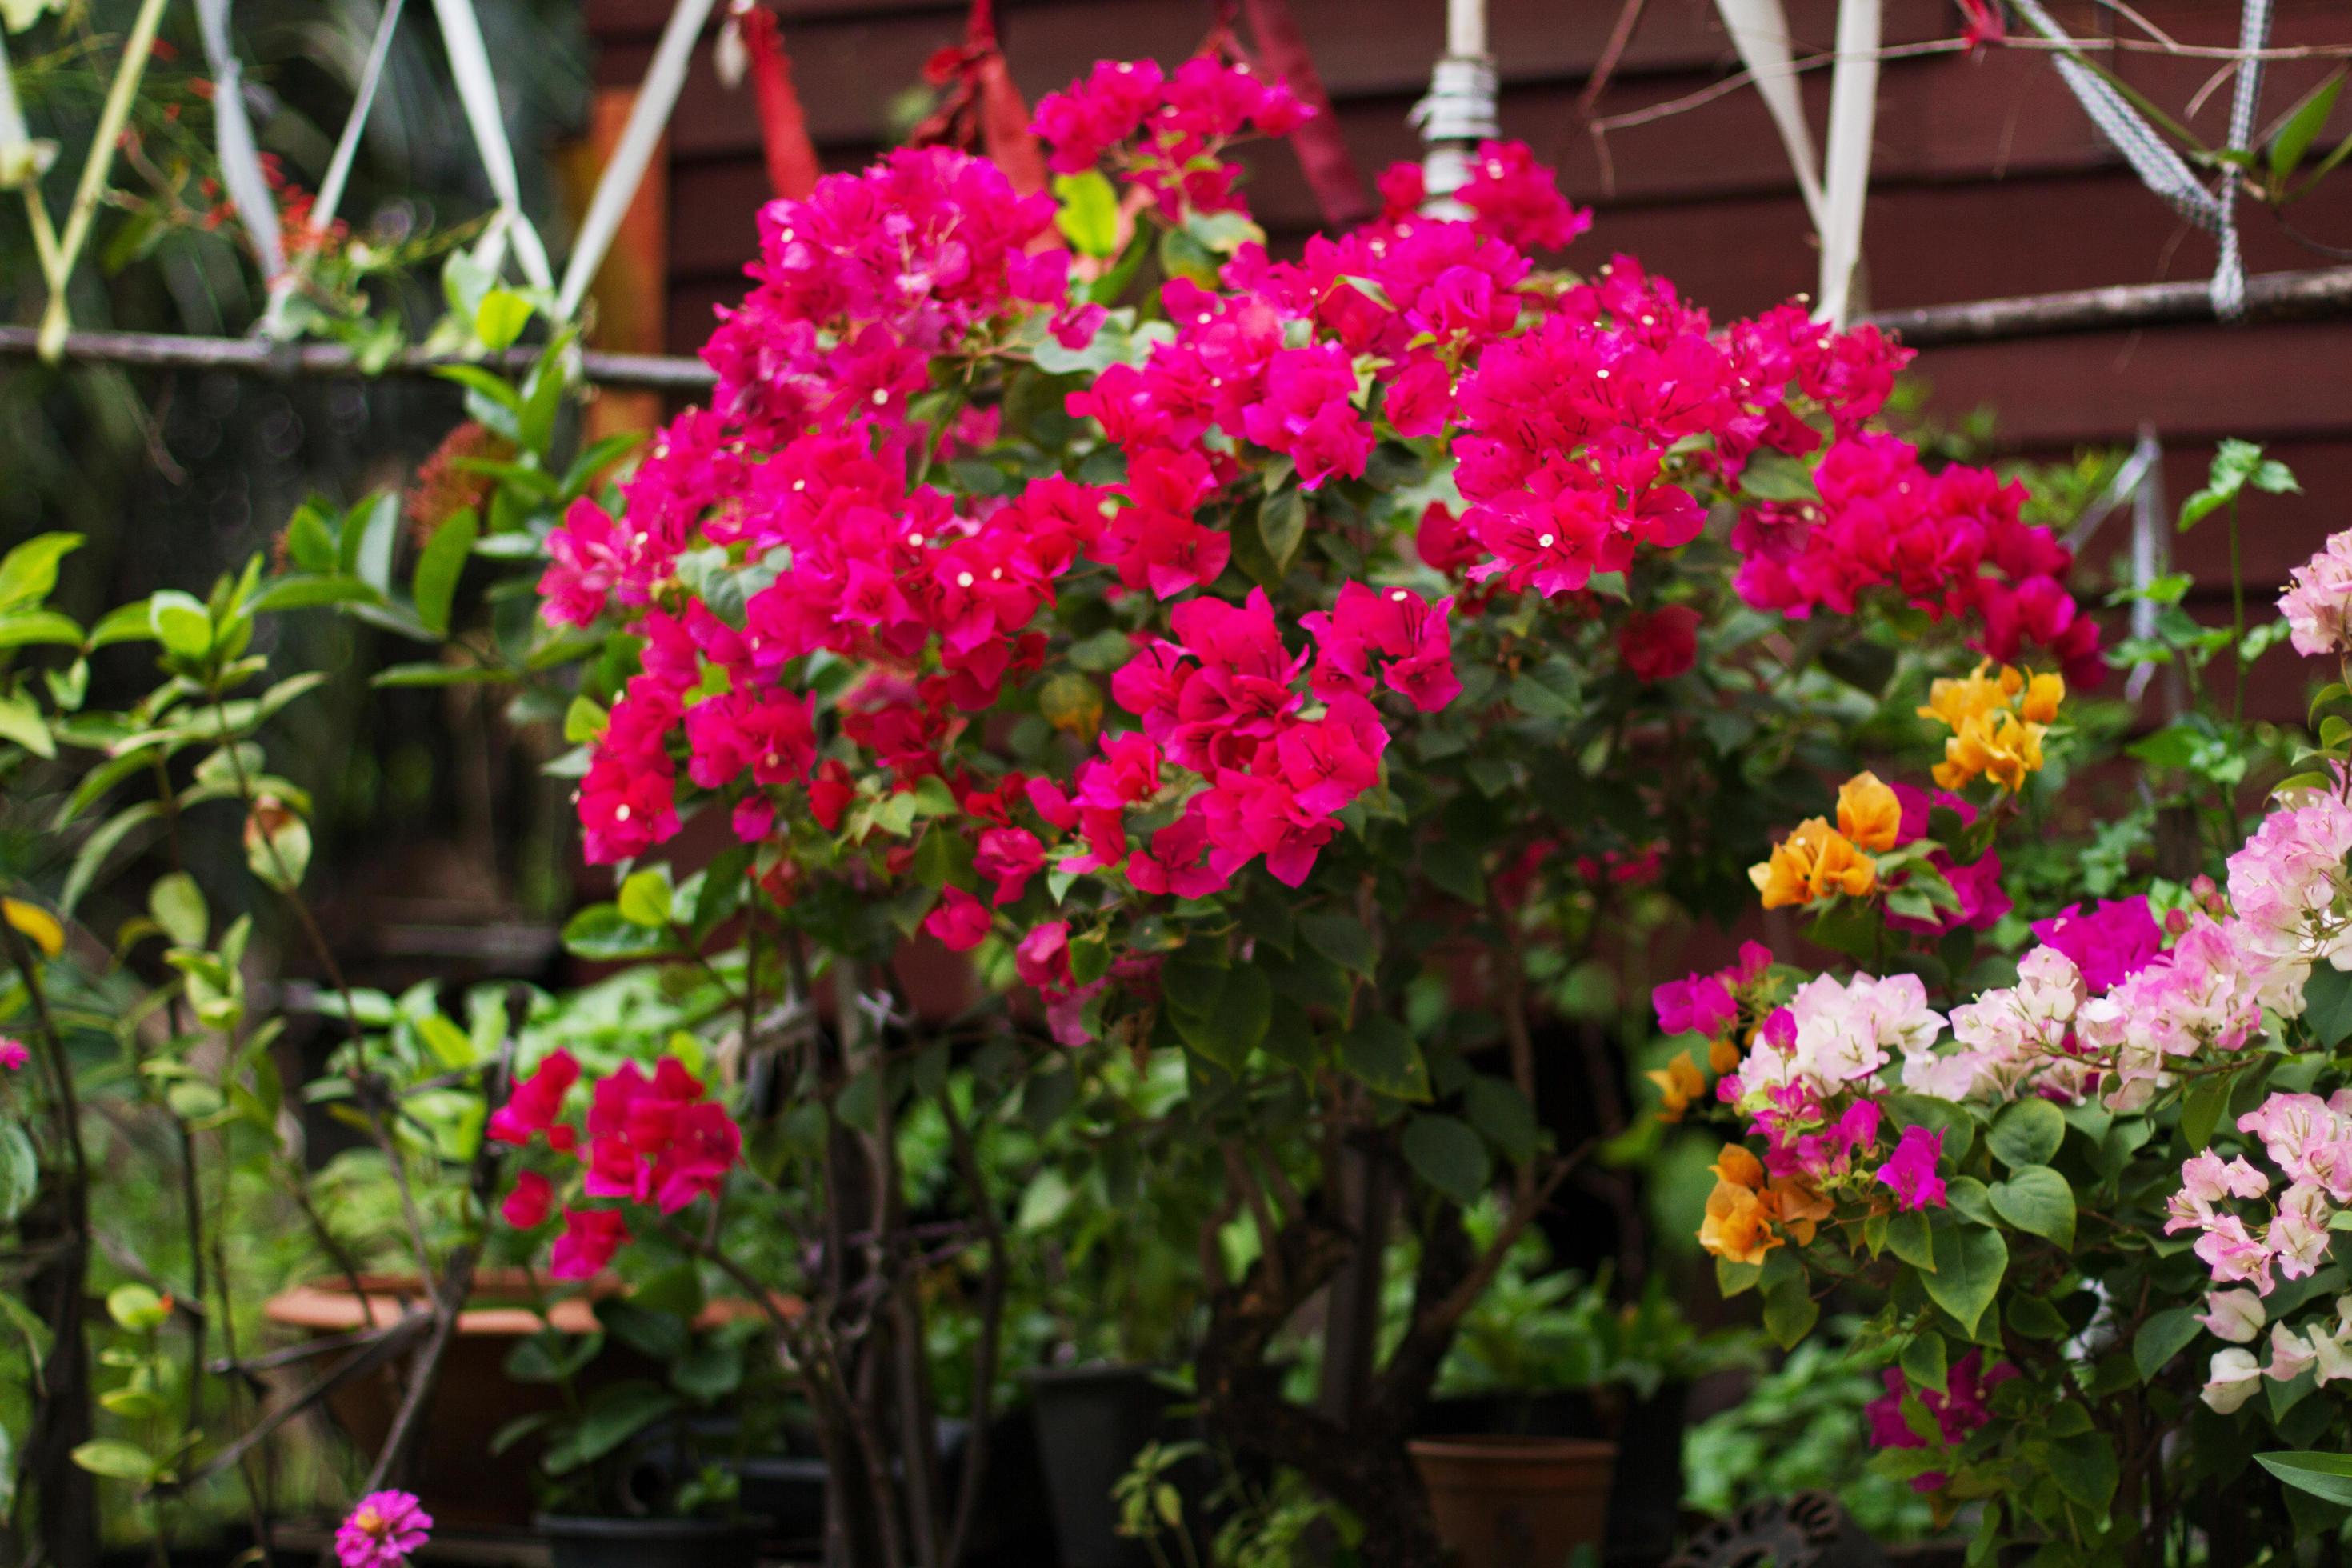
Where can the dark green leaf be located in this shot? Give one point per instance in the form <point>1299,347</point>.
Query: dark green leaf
<point>1496,1108</point>
<point>2085,1468</point>
<point>1790,1311</point>
<point>1235,1023</point>
<point>1339,937</point>
<point>1923,1360</point>
<point>1969,1263</point>
<point>613,1416</point>
<point>2027,1133</point>
<point>2328,1476</point>
<point>2327,1005</point>
<point>1447,1154</point>
<point>2161,1337</point>
<point>2038,1200</point>
<point>1380,1053</point>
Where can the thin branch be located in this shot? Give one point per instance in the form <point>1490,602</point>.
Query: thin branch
<point>173,350</point>
<point>992,1317</point>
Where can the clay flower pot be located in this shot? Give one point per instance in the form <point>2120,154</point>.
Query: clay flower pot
<point>1516,1502</point>
<point>462,1484</point>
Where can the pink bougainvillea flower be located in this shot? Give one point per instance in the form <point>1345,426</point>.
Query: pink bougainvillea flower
<point>537,1100</point>
<point>590,1239</point>
<point>525,1207</point>
<point>958,920</point>
<point>381,1531</point>
<point>1659,643</point>
<point>1910,1170</point>
<point>12,1054</point>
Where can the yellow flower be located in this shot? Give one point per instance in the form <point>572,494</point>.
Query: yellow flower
<point>1679,1083</point>
<point>1868,812</point>
<point>1813,863</point>
<point>1736,1227</point>
<point>1997,724</point>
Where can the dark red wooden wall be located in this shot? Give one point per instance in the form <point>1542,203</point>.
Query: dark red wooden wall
<point>1987,181</point>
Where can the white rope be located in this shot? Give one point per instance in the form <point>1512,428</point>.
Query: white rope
<point>617,186</point>
<point>2161,169</point>
<point>1845,186</point>
<point>240,158</point>
<point>477,92</point>
<point>22,159</point>
<point>1760,31</point>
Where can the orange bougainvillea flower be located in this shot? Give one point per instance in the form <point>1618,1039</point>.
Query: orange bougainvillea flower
<point>1679,1083</point>
<point>1997,723</point>
<point>1868,813</point>
<point>1813,863</point>
<point>1738,1166</point>
<point>1722,1056</point>
<point>1736,1228</point>
<point>1798,1206</point>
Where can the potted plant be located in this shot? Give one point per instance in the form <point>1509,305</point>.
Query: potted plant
<point>629,1474</point>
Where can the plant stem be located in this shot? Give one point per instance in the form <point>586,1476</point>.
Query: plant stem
<point>2236,618</point>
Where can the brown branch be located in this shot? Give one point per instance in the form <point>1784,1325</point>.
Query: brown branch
<point>2269,297</point>
<point>992,1319</point>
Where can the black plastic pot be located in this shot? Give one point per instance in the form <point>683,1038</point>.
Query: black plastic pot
<point>580,1542</point>
<point>1091,1421</point>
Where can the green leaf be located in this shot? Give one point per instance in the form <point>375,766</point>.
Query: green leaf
<point>450,1046</point>
<point>307,593</point>
<point>2085,1468</point>
<point>1235,1024</point>
<point>136,1308</point>
<point>1342,939</point>
<point>1379,1052</point>
<point>20,1171</point>
<point>1969,1263</point>
<point>1777,477</point>
<point>178,906</point>
<point>1444,1152</point>
<point>1281,525</point>
<point>2038,1200</point>
<point>1496,1108</point>
<point>90,858</point>
<point>1789,1309</point>
<point>2201,1112</point>
<point>24,628</point>
<point>21,721</point>
<point>645,899</point>
<point>613,1416</point>
<point>2027,1133</point>
<point>1088,217</point>
<point>437,570</point>
<point>2327,1005</point>
<point>602,933</point>
<point>2301,127</point>
<point>500,318</point>
<point>116,1459</point>
<point>1923,1360</point>
<point>1909,1237</point>
<point>2162,1336</point>
<point>424,674</point>
<point>2328,1476</point>
<point>180,622</point>
<point>28,572</point>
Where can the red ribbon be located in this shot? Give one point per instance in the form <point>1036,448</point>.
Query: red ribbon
<point>979,105</point>
<point>783,125</point>
<point>1323,155</point>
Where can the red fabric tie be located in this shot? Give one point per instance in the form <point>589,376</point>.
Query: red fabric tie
<point>1323,155</point>
<point>783,126</point>
<point>980,107</point>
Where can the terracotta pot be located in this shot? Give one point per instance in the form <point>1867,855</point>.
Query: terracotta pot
<point>460,1481</point>
<point>1516,1502</point>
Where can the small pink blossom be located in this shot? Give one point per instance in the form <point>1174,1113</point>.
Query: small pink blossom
<point>12,1054</point>
<point>1910,1170</point>
<point>381,1531</point>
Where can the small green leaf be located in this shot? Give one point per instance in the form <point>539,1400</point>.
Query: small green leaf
<point>116,1459</point>
<point>1789,1309</point>
<point>500,318</point>
<point>2301,127</point>
<point>1088,216</point>
<point>644,898</point>
<point>28,572</point>
<point>178,906</point>
<point>439,568</point>
<point>1969,1263</point>
<point>136,1308</point>
<point>1235,1023</point>
<point>1449,1155</point>
<point>1923,1360</point>
<point>1496,1108</point>
<point>2085,1468</point>
<point>1342,939</point>
<point>2027,1133</point>
<point>1380,1053</point>
<point>2161,1337</point>
<point>180,622</point>
<point>2038,1200</point>
<point>2327,1005</point>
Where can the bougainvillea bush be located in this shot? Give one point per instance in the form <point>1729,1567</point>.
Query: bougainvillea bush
<point>1251,663</point>
<point>2092,1191</point>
